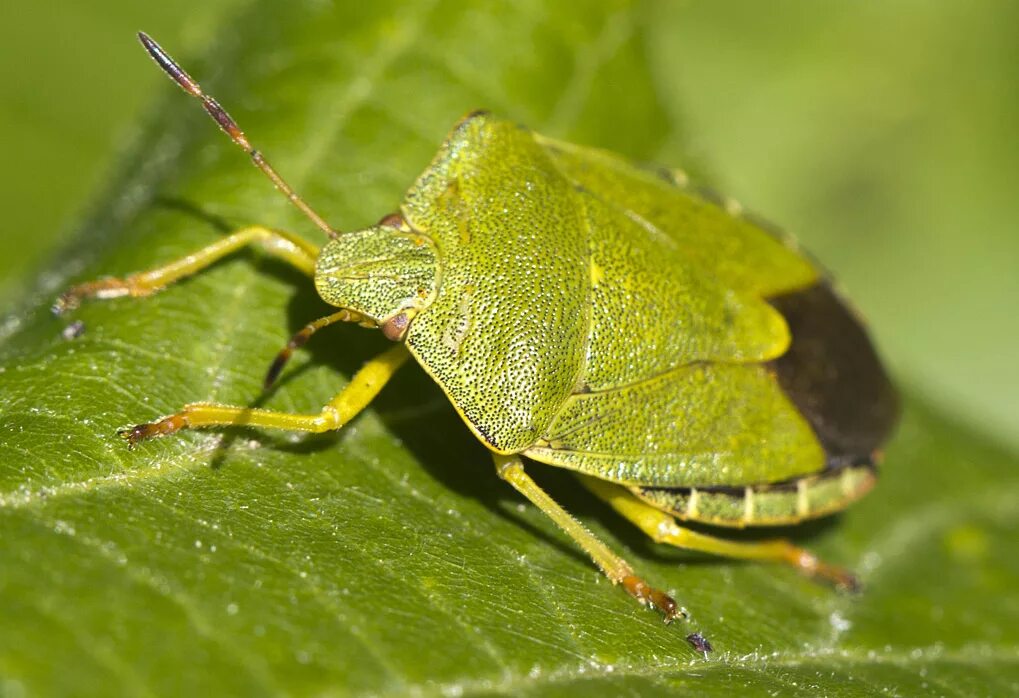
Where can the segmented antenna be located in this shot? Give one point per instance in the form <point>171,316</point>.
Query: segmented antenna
<point>229,127</point>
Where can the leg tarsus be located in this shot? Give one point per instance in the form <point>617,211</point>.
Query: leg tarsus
<point>808,563</point>
<point>655,598</point>
<point>167,425</point>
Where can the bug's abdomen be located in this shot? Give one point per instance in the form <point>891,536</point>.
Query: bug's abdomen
<point>775,504</point>
<point>834,377</point>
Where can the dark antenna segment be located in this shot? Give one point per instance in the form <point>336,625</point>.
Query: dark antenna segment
<point>229,127</point>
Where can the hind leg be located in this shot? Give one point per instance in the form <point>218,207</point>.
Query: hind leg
<point>663,528</point>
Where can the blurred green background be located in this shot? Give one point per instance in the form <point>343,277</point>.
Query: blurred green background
<point>880,133</point>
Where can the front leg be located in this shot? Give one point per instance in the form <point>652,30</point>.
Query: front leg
<point>288,247</point>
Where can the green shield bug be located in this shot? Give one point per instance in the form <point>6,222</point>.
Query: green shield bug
<point>688,363</point>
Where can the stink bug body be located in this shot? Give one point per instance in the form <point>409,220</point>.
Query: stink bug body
<point>584,312</point>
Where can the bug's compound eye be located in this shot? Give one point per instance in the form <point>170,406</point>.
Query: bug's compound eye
<point>395,328</point>
<point>393,220</point>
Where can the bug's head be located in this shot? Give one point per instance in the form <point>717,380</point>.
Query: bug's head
<point>386,272</point>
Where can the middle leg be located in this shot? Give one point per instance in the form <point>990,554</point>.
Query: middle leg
<point>615,568</point>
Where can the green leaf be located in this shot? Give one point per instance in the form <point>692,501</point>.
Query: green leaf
<point>388,558</point>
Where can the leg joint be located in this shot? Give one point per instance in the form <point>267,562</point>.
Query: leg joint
<point>508,467</point>
<point>327,420</point>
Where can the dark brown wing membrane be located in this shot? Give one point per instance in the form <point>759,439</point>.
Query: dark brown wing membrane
<point>833,375</point>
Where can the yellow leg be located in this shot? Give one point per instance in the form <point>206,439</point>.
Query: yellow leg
<point>615,568</point>
<point>286,246</point>
<point>363,388</point>
<point>662,528</point>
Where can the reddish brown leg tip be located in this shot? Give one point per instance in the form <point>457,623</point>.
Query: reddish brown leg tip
<point>139,433</point>
<point>839,577</point>
<point>667,605</point>
<point>677,613</point>
<point>842,579</point>
<point>133,435</point>
<point>649,596</point>
<point>63,303</point>
<point>849,583</point>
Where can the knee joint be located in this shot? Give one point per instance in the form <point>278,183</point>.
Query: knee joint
<point>328,420</point>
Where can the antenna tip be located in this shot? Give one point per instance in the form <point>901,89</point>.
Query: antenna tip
<point>150,45</point>
<point>169,66</point>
